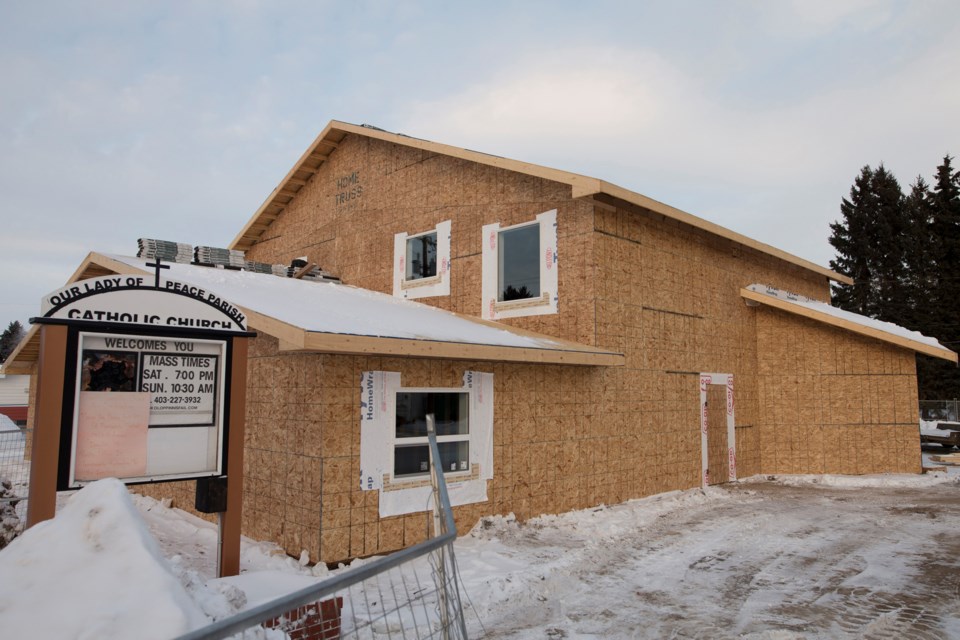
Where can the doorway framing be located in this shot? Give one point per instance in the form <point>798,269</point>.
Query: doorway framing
<point>724,379</point>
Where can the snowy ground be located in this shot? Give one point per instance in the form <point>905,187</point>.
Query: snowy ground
<point>781,558</point>
<point>791,558</point>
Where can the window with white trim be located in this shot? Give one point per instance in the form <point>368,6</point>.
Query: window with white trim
<point>422,263</point>
<point>421,257</point>
<point>519,265</point>
<point>451,410</point>
<point>393,439</point>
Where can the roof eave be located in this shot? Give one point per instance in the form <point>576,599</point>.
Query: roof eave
<point>581,187</point>
<point>871,332</point>
<point>293,338</point>
<point>632,198</point>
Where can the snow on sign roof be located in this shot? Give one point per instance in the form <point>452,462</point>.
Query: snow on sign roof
<point>334,318</point>
<point>817,310</point>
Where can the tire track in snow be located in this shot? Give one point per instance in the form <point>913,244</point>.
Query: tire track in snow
<point>767,561</point>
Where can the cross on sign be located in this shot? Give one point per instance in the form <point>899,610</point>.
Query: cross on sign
<point>157,266</point>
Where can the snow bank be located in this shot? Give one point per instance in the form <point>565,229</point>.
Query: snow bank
<point>929,428</point>
<point>98,570</point>
<point>7,425</point>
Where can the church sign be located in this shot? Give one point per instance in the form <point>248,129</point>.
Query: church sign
<point>146,386</point>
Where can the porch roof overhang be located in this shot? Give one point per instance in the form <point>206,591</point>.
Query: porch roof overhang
<point>863,325</point>
<point>340,319</point>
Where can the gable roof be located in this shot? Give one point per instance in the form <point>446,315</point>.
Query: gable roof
<point>333,318</point>
<point>823,312</point>
<point>582,187</point>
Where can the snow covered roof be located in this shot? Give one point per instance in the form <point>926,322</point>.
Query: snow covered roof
<point>581,187</point>
<point>823,312</point>
<point>335,318</point>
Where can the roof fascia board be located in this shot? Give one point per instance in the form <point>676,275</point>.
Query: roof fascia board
<point>292,337</point>
<point>370,345</point>
<point>639,200</point>
<point>581,187</point>
<point>539,171</point>
<point>23,358</point>
<point>242,241</point>
<point>98,260</point>
<point>841,323</point>
<point>295,338</point>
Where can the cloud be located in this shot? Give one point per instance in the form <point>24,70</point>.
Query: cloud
<point>176,120</point>
<point>805,18</point>
<point>771,170</point>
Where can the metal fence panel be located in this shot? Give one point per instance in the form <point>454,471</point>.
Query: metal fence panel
<point>945,410</point>
<point>412,593</point>
<point>15,470</point>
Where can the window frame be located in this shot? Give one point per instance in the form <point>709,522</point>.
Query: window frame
<point>492,307</point>
<point>431,286</point>
<point>426,280</point>
<point>500,268</point>
<point>397,442</point>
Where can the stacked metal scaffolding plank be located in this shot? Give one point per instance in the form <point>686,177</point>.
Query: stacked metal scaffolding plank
<point>216,256</point>
<point>151,248</point>
<point>165,250</point>
<point>258,267</point>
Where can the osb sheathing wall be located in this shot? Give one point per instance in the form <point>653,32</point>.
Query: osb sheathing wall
<point>556,448</point>
<point>832,401</point>
<point>564,437</point>
<point>405,189</point>
<point>667,296</point>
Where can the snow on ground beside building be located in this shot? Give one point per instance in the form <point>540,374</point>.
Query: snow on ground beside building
<point>94,571</point>
<point>590,572</point>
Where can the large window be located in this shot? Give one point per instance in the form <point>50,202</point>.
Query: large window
<point>394,450</point>
<point>421,256</point>
<point>518,263</point>
<point>411,456</point>
<point>519,268</point>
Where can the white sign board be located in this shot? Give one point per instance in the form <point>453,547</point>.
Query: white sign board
<point>148,405</point>
<point>147,408</point>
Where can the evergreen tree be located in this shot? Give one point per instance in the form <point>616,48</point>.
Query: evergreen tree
<point>903,253</point>
<point>850,238</point>
<point>887,245</point>
<point>870,241</point>
<point>945,210</point>
<point>10,339</point>
<point>918,256</point>
<point>938,379</point>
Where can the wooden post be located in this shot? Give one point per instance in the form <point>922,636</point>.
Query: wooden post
<point>45,453</point>
<point>230,549</point>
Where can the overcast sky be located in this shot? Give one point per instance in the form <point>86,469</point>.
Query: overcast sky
<point>174,120</point>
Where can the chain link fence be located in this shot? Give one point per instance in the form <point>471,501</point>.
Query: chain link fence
<point>14,481</point>
<point>940,410</point>
<point>412,593</point>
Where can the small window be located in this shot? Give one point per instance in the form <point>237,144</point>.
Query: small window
<point>421,263</point>
<point>519,263</point>
<point>451,420</point>
<point>421,256</point>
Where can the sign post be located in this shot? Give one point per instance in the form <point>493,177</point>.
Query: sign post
<point>141,379</point>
